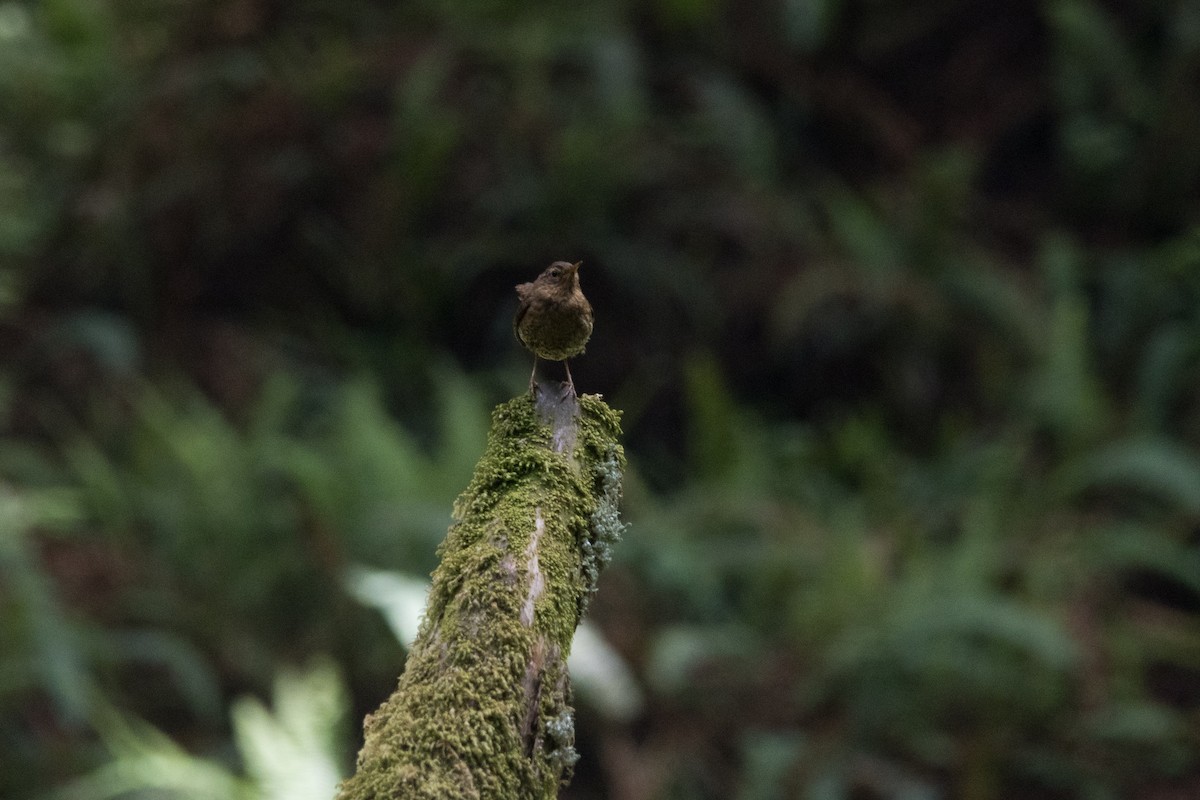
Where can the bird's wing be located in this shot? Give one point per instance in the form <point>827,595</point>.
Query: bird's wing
<point>523,291</point>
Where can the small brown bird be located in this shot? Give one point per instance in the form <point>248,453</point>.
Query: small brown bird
<point>554,319</point>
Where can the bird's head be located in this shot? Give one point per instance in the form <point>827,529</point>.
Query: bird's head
<point>561,278</point>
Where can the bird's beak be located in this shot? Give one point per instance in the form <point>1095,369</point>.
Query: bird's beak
<point>575,267</point>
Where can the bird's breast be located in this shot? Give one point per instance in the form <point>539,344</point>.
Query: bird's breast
<point>556,330</point>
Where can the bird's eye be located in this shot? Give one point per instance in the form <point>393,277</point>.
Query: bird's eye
<point>554,273</point>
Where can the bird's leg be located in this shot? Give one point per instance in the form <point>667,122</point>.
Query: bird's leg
<point>533,377</point>
<point>569,386</point>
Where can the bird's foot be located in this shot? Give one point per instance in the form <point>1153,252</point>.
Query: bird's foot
<point>567,389</point>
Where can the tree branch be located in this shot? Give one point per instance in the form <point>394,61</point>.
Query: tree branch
<point>483,708</point>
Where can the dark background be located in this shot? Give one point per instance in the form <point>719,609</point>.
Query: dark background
<point>900,300</point>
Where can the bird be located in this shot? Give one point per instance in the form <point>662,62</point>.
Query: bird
<point>554,319</point>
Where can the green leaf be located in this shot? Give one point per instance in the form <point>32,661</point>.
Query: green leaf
<point>1168,362</point>
<point>292,753</point>
<point>1145,548</point>
<point>145,760</point>
<point>1155,467</point>
<point>712,440</point>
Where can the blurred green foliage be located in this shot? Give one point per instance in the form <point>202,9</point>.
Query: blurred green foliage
<point>901,300</point>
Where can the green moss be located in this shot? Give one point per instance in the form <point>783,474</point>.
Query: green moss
<point>483,707</point>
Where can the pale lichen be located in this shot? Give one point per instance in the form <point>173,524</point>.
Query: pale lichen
<point>605,527</point>
<point>560,734</point>
<point>483,707</point>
